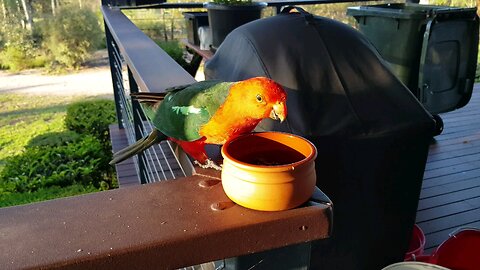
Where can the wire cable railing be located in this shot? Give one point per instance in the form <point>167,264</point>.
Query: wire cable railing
<point>158,163</point>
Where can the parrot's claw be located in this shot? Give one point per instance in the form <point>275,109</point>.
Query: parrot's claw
<point>209,164</point>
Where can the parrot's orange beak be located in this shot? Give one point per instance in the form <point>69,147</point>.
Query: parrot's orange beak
<point>279,111</point>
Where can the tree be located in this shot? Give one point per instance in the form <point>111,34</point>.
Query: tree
<point>28,10</point>
<point>53,7</point>
<point>4,10</point>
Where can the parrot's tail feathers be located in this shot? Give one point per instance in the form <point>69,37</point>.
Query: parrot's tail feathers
<point>139,146</point>
<point>148,97</point>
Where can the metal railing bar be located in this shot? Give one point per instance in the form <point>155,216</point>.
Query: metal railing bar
<point>148,159</point>
<point>120,102</point>
<point>152,68</point>
<point>156,156</point>
<point>145,175</point>
<point>144,159</point>
<point>164,156</point>
<point>132,49</point>
<point>166,161</point>
<point>128,109</point>
<point>130,132</point>
<point>117,59</point>
<point>117,53</point>
<point>150,164</point>
<point>119,75</point>
<point>119,79</point>
<point>176,158</point>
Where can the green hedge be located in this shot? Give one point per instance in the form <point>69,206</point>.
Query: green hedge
<point>63,160</point>
<point>174,50</point>
<point>91,117</point>
<point>83,162</point>
<point>54,139</point>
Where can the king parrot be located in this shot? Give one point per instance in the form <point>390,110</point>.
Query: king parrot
<point>207,112</point>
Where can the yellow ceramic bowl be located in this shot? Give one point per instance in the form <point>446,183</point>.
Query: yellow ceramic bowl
<point>269,171</point>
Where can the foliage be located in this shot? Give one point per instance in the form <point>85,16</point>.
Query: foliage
<point>155,29</point>
<point>83,162</point>
<point>54,139</point>
<point>57,34</point>
<point>453,3</point>
<point>39,155</point>
<point>14,58</point>
<point>21,119</point>
<point>19,49</point>
<point>43,194</point>
<point>175,51</point>
<point>72,35</point>
<point>91,117</point>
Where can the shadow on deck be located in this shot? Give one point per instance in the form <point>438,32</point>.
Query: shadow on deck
<point>450,196</point>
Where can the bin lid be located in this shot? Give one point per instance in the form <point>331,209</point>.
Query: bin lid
<point>336,82</point>
<point>411,11</point>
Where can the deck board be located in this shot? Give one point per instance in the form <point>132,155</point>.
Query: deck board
<point>450,196</point>
<point>126,170</point>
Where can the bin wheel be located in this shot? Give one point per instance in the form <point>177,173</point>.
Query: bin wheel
<point>438,124</point>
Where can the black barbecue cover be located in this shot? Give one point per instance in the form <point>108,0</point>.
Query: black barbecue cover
<point>371,133</point>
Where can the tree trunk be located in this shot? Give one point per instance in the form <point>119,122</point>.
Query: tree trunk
<point>53,7</point>
<point>172,28</point>
<point>19,10</point>
<point>165,32</point>
<point>80,3</point>
<point>4,10</point>
<point>27,8</point>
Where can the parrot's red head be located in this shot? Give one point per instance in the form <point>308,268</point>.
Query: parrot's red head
<point>260,98</point>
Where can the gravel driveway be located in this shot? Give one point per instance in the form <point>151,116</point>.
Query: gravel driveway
<point>92,81</point>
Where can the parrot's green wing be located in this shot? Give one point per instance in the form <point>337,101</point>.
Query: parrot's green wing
<point>184,110</point>
<point>150,100</point>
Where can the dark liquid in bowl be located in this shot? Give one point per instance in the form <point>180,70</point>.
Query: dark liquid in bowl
<point>274,157</point>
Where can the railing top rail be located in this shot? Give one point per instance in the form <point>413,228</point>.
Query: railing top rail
<point>163,225</point>
<point>153,69</point>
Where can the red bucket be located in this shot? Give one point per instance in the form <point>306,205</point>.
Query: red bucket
<point>417,244</point>
<point>460,251</point>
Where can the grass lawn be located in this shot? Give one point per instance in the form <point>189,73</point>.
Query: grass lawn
<point>44,194</point>
<point>22,117</point>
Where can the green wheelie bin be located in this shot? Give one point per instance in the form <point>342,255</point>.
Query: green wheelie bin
<point>432,49</point>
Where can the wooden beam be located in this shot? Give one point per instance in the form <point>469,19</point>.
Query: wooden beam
<point>163,225</point>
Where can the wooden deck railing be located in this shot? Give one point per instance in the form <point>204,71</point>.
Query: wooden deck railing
<point>165,225</point>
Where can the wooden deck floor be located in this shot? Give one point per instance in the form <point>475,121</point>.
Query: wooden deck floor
<point>450,196</point>
<point>127,171</point>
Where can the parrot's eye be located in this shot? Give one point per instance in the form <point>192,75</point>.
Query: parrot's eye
<point>259,98</point>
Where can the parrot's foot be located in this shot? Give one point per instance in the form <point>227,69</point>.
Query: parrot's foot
<point>209,164</point>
